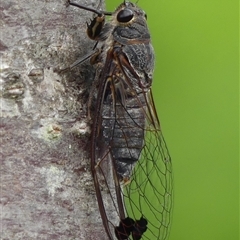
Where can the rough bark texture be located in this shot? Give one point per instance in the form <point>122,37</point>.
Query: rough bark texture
<point>46,189</point>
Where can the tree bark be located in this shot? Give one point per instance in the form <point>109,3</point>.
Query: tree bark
<point>46,188</point>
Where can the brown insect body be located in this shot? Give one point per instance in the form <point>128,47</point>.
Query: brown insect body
<point>129,157</point>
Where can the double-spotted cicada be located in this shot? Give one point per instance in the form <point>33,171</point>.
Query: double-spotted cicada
<point>129,157</point>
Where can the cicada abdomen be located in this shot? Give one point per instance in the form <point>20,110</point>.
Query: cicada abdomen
<point>129,157</point>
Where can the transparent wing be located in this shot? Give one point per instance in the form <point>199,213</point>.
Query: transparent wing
<point>131,166</point>
<point>149,191</point>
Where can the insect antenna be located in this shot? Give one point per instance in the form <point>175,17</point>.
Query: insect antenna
<point>98,12</point>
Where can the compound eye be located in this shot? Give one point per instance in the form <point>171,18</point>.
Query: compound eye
<point>125,15</point>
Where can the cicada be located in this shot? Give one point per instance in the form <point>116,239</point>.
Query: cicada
<point>130,162</point>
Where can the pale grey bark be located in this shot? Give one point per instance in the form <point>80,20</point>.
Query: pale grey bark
<point>46,189</point>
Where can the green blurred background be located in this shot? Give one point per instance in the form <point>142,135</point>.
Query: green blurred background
<point>196,91</point>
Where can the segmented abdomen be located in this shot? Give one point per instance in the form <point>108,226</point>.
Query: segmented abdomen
<point>123,132</point>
